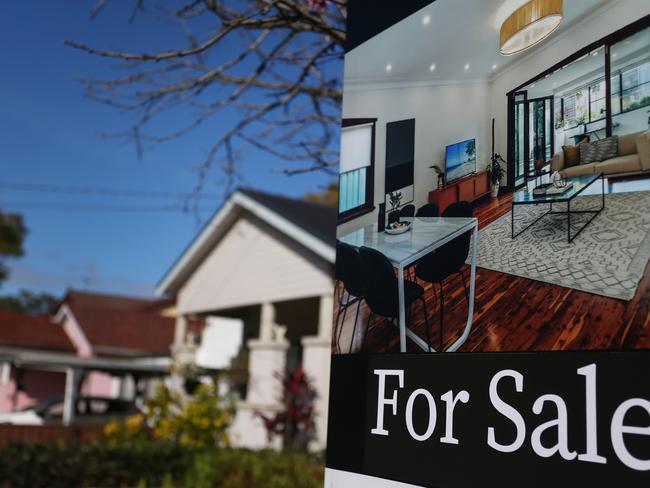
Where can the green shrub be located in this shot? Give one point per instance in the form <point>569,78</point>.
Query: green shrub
<point>153,464</point>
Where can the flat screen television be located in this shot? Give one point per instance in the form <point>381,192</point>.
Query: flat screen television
<point>460,159</point>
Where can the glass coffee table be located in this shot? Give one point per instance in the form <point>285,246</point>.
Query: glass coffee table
<point>580,183</point>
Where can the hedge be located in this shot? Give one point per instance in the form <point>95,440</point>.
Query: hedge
<point>153,464</point>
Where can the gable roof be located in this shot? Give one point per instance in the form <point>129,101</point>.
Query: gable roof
<point>124,332</point>
<point>32,332</point>
<point>318,220</point>
<point>309,224</point>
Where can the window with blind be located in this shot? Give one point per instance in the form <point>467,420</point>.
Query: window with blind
<point>356,177</point>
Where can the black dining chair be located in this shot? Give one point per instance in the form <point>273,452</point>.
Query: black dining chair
<point>381,290</point>
<point>407,211</point>
<point>428,210</point>
<point>447,260</point>
<point>349,261</point>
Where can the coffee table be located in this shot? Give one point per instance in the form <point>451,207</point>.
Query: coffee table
<point>580,183</point>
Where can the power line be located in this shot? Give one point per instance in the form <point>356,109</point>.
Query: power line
<point>98,207</point>
<point>100,191</point>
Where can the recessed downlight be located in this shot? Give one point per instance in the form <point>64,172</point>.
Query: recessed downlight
<point>426,19</point>
<point>389,68</point>
<point>494,66</point>
<point>432,67</point>
<point>467,67</point>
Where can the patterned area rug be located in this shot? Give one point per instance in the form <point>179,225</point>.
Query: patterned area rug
<point>607,258</point>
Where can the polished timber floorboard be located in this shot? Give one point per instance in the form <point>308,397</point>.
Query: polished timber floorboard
<point>519,314</point>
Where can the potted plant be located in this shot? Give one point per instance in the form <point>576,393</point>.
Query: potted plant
<point>496,172</point>
<point>394,198</point>
<point>440,173</point>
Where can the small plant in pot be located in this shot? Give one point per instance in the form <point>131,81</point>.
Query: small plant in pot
<point>496,172</point>
<point>394,198</point>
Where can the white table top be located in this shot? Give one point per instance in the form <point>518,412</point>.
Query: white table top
<point>426,234</point>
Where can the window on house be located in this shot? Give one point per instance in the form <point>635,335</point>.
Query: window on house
<point>635,87</point>
<point>356,177</point>
<point>597,97</point>
<point>616,93</point>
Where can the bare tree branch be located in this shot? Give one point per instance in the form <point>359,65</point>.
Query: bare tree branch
<point>275,63</point>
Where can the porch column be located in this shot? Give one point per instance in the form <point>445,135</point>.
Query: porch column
<point>267,321</point>
<point>180,331</point>
<point>316,363</point>
<point>72,379</point>
<point>267,360</point>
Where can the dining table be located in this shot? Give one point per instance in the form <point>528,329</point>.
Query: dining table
<point>425,235</point>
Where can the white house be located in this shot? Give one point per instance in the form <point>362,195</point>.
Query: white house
<point>259,277</point>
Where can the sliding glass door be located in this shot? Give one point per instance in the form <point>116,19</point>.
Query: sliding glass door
<point>599,91</point>
<point>533,138</point>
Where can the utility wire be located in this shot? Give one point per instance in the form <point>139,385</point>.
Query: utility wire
<point>101,191</point>
<point>97,207</point>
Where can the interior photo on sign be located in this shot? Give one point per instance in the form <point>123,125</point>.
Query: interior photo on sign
<point>494,187</point>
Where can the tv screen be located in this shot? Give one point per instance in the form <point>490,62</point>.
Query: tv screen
<point>460,159</point>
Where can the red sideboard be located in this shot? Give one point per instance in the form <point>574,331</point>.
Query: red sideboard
<point>469,188</point>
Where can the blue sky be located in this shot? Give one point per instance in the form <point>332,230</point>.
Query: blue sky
<point>50,134</point>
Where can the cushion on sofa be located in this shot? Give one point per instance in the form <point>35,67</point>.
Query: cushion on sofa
<point>620,164</point>
<point>571,155</point>
<point>597,151</point>
<point>581,169</point>
<point>643,149</point>
<point>627,144</point>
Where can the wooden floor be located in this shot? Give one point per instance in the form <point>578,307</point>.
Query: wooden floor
<point>518,314</point>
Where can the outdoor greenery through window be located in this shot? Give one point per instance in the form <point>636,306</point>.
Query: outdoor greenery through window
<point>352,189</point>
<point>635,87</point>
<point>630,91</point>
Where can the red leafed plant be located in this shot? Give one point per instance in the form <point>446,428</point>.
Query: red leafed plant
<point>295,423</point>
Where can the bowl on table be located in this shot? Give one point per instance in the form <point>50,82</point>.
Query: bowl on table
<point>398,228</point>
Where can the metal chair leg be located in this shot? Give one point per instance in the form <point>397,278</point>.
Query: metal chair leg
<point>462,278</point>
<point>426,321</point>
<point>387,333</point>
<point>365,334</point>
<point>340,327</point>
<point>354,329</point>
<point>441,315</point>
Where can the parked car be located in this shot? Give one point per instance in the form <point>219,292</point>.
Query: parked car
<point>88,410</point>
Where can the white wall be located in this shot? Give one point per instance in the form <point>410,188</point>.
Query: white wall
<point>615,15</point>
<point>444,114</point>
<point>253,263</point>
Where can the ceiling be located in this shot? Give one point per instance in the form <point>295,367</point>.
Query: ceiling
<point>459,37</point>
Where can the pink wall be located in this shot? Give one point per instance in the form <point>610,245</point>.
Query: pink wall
<point>76,336</point>
<point>42,385</point>
<point>37,386</point>
<point>97,384</point>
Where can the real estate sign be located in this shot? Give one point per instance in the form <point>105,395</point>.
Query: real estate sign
<point>491,325</point>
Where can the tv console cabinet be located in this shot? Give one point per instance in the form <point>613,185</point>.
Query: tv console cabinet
<point>468,188</point>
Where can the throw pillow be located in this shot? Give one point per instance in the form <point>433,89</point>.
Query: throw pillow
<point>571,156</point>
<point>598,151</point>
<point>572,153</point>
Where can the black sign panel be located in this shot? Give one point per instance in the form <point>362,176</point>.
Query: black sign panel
<point>507,419</point>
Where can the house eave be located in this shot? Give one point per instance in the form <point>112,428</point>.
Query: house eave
<point>173,280</point>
